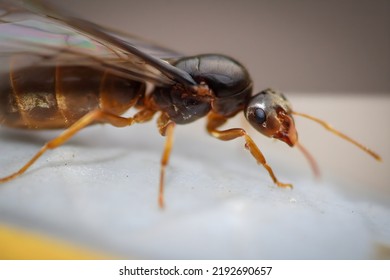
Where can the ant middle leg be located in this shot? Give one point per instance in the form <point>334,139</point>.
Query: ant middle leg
<point>166,128</point>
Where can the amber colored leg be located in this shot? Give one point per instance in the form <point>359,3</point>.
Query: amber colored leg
<point>215,121</point>
<point>94,116</point>
<point>166,128</point>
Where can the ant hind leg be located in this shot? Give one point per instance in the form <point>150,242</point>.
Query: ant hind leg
<point>92,117</point>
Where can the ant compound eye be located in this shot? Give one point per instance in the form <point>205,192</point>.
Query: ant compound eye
<point>259,115</point>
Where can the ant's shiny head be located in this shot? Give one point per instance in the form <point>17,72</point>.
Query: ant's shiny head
<point>269,112</point>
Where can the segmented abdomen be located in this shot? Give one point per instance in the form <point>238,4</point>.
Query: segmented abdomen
<point>56,97</point>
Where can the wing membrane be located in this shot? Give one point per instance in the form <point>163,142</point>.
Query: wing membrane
<point>37,39</point>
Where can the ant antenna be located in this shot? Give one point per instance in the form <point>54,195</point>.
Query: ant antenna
<point>310,159</point>
<point>340,134</point>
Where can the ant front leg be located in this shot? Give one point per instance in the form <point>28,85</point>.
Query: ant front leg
<point>96,116</point>
<point>215,121</point>
<point>166,128</point>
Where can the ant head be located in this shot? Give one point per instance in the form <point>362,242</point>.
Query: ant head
<point>269,112</point>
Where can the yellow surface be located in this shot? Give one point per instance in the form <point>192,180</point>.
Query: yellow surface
<point>24,245</point>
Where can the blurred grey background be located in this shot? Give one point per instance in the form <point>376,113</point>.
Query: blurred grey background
<point>297,46</point>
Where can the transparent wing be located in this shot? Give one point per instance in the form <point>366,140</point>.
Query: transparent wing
<point>36,36</point>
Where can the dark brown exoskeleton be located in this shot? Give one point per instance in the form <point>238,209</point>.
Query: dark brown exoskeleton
<point>86,74</point>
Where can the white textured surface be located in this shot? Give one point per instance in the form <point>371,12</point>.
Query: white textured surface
<point>100,190</point>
